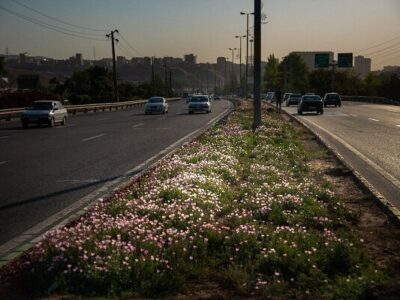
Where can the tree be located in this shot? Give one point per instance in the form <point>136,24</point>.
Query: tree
<point>320,81</point>
<point>2,69</point>
<point>272,75</point>
<point>371,83</point>
<point>295,73</point>
<point>91,85</point>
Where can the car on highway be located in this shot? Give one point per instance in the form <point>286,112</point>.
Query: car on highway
<point>310,103</point>
<point>332,99</point>
<point>47,112</point>
<point>199,103</point>
<point>270,96</point>
<point>285,97</point>
<point>156,105</point>
<point>293,99</point>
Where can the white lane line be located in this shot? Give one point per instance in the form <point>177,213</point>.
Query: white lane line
<point>162,118</point>
<point>4,137</point>
<point>375,120</point>
<point>3,162</point>
<point>77,181</point>
<point>93,137</point>
<point>398,126</point>
<point>137,125</point>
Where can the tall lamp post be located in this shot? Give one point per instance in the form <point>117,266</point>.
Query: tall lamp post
<point>247,48</point>
<point>233,62</point>
<point>240,57</point>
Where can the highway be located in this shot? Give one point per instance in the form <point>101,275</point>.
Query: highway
<point>45,170</point>
<point>367,136</point>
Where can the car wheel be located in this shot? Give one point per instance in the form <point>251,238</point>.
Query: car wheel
<point>190,113</point>
<point>64,121</point>
<point>300,112</point>
<point>287,104</point>
<point>325,105</point>
<point>321,111</point>
<point>52,123</point>
<point>25,124</point>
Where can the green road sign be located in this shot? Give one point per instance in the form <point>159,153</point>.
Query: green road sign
<point>345,60</point>
<point>321,60</point>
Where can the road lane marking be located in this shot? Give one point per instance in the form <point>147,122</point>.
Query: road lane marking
<point>77,181</point>
<point>398,126</point>
<point>137,125</point>
<point>3,162</point>
<point>375,120</point>
<point>369,162</point>
<point>4,137</point>
<point>93,137</point>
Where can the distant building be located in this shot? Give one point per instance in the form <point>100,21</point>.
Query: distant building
<point>362,66</point>
<point>221,61</point>
<point>309,57</point>
<point>121,60</point>
<point>78,59</point>
<point>190,58</point>
<point>22,58</point>
<point>389,69</point>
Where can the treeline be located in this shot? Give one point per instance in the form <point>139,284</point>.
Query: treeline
<point>293,75</point>
<point>95,85</point>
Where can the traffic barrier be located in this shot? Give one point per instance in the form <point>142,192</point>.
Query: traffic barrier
<point>8,114</point>
<point>379,100</point>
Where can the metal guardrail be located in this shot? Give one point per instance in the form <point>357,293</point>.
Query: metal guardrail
<point>380,100</point>
<point>8,114</point>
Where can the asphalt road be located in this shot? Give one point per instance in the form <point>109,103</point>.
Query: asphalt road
<point>44,170</point>
<point>368,137</point>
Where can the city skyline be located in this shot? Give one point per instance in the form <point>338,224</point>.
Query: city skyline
<point>206,28</point>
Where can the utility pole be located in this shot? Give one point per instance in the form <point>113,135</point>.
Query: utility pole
<point>334,64</point>
<point>240,58</point>
<point>152,77</point>
<point>111,35</point>
<point>247,49</point>
<point>170,81</point>
<point>233,63</point>
<point>257,64</point>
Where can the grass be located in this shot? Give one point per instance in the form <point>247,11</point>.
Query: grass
<point>237,207</point>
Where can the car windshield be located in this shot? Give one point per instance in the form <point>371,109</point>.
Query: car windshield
<point>156,100</point>
<point>332,97</point>
<point>42,105</point>
<point>311,98</point>
<point>199,99</point>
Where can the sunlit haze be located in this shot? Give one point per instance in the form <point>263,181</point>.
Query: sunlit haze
<point>205,28</point>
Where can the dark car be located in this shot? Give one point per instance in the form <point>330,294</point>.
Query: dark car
<point>310,103</point>
<point>293,99</point>
<point>332,99</point>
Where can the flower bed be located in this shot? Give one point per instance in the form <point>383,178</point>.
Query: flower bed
<point>234,207</point>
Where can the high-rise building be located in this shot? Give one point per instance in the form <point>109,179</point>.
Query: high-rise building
<point>78,59</point>
<point>362,66</point>
<point>309,57</point>
<point>190,58</point>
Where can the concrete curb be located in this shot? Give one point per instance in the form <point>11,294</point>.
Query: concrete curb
<point>17,246</point>
<point>390,210</point>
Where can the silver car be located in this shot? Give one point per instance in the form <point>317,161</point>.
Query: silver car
<point>199,103</point>
<point>156,105</point>
<point>47,112</point>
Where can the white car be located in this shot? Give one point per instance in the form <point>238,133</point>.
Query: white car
<point>199,103</point>
<point>156,105</point>
<point>47,112</point>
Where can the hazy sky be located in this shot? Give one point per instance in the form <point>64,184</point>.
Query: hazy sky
<point>204,27</point>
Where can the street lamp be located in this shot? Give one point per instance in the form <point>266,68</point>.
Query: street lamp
<point>251,52</point>
<point>247,47</point>
<point>240,57</point>
<point>233,61</point>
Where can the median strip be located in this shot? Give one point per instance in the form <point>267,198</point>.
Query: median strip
<point>93,137</point>
<point>248,213</point>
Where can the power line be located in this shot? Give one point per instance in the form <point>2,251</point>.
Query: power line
<point>378,45</point>
<point>129,45</point>
<point>57,20</point>
<point>386,53</point>
<point>384,49</point>
<point>51,27</point>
